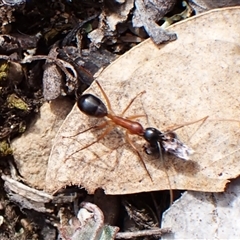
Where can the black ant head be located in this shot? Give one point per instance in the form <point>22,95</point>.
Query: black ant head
<point>154,138</point>
<point>152,135</point>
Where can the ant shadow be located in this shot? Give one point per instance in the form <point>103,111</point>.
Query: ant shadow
<point>170,162</point>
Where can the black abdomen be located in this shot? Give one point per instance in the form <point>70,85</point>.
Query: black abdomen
<point>92,106</point>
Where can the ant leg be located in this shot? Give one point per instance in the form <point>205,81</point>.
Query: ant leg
<point>109,104</point>
<point>105,96</point>
<point>130,103</point>
<point>135,116</point>
<point>107,130</point>
<point>225,119</point>
<point>139,155</point>
<point>175,127</point>
<point>97,127</point>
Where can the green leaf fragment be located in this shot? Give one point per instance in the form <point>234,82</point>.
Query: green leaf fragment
<point>14,101</point>
<point>5,149</point>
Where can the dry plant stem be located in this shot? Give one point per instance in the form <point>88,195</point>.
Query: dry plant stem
<point>155,232</point>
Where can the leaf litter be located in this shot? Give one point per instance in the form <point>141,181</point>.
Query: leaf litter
<point>186,80</point>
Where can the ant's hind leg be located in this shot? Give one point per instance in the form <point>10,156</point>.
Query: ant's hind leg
<point>135,116</point>
<point>102,135</point>
<point>100,126</point>
<point>107,130</point>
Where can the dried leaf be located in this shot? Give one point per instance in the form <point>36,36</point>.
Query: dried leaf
<point>185,80</point>
<point>205,5</point>
<point>31,150</point>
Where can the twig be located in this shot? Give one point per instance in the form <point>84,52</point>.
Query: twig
<point>144,233</point>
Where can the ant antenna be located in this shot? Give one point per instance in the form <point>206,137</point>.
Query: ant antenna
<point>163,162</point>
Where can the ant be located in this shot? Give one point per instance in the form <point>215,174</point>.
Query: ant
<point>94,107</point>
<point>157,141</point>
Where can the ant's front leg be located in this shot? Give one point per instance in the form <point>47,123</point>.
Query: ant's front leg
<point>177,126</point>
<point>130,103</point>
<point>138,153</point>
